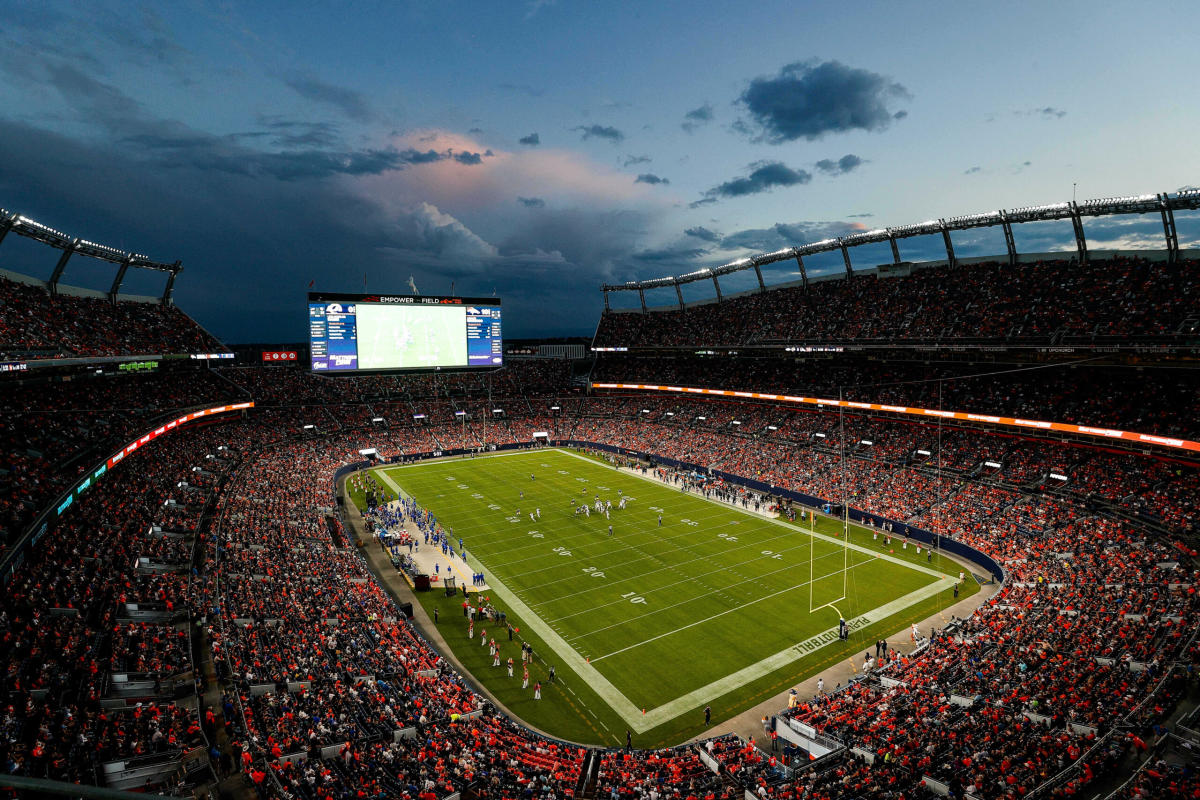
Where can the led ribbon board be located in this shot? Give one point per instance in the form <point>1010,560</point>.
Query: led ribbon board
<point>1012,422</point>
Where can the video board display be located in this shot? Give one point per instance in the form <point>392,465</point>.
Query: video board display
<point>373,333</point>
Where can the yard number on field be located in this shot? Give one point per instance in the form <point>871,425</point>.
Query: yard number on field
<point>593,572</point>
<point>634,598</point>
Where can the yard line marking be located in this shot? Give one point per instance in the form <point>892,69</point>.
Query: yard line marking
<point>755,601</point>
<point>689,579</point>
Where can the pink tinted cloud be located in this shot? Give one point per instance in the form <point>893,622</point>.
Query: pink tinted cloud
<point>560,177</point>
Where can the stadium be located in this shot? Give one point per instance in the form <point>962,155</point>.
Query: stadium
<point>975,529</point>
<point>547,400</point>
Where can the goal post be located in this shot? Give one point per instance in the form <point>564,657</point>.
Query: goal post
<point>827,583</point>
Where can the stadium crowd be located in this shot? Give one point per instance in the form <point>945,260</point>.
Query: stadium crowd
<point>1044,301</point>
<point>330,693</point>
<point>37,324</point>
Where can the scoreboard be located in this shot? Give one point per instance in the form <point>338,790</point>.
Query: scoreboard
<point>366,332</point>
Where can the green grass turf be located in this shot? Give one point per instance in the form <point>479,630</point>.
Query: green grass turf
<point>659,611</point>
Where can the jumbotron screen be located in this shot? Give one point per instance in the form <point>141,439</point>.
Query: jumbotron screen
<point>371,332</point>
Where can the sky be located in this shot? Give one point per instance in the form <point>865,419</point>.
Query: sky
<point>536,149</point>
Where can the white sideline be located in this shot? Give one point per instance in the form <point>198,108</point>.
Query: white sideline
<point>622,705</point>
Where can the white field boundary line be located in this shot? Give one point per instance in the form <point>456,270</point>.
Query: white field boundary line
<point>705,694</point>
<point>631,714</point>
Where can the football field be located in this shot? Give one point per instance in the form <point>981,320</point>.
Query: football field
<point>712,605</point>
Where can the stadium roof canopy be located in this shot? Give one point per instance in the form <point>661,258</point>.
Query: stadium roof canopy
<point>1165,204</point>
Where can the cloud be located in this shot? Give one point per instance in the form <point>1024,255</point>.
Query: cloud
<point>469,158</point>
<point>1047,112</point>
<point>670,255</point>
<point>808,100</point>
<point>697,117</point>
<point>351,103</point>
<point>766,175</point>
<point>532,202</point>
<point>632,160</point>
<point>600,132</point>
<point>845,164</point>
<point>532,140</point>
<point>972,170</point>
<point>703,233</point>
<point>650,178</point>
<point>787,234</point>
<point>305,151</point>
<point>291,133</point>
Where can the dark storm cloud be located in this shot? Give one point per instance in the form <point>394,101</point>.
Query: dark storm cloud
<point>697,117</point>
<point>289,133</point>
<point>351,103</point>
<point>843,165</point>
<point>650,178</point>
<point>174,145</point>
<point>470,159</point>
<point>532,140</point>
<point>787,234</point>
<point>600,132</point>
<point>766,175</point>
<point>633,160</point>
<point>703,233</point>
<point>532,202</point>
<point>807,100</point>
<point>670,255</point>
